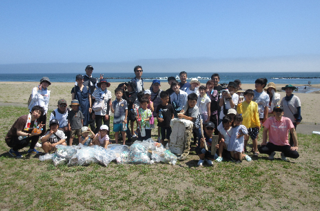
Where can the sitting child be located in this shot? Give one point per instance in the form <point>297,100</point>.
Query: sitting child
<point>53,137</point>
<point>143,118</point>
<point>224,129</point>
<point>236,143</point>
<point>203,154</point>
<point>102,138</point>
<point>86,139</point>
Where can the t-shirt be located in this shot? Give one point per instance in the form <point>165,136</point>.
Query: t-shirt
<point>40,98</point>
<point>167,112</point>
<point>184,86</point>
<point>105,95</point>
<point>249,113</point>
<point>61,117</point>
<point>145,114</point>
<point>103,139</point>
<point>235,100</point>
<point>53,138</point>
<point>180,99</point>
<point>196,91</point>
<point>75,118</point>
<point>226,133</point>
<point>202,103</point>
<point>119,108</point>
<point>278,130</point>
<point>290,107</point>
<point>193,112</point>
<point>263,100</point>
<point>19,125</point>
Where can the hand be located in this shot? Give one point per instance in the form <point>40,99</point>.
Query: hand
<point>125,121</point>
<point>240,134</point>
<point>69,128</point>
<point>106,117</point>
<point>90,110</point>
<point>180,115</point>
<point>294,148</point>
<point>53,145</point>
<point>160,119</point>
<point>217,146</point>
<point>41,125</point>
<point>40,87</point>
<point>297,123</point>
<point>101,76</point>
<point>202,143</point>
<point>51,131</point>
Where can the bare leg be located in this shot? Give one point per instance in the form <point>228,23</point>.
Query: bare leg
<point>116,136</point>
<point>71,141</point>
<point>46,146</point>
<point>123,137</point>
<point>222,146</point>
<point>246,139</point>
<point>255,145</point>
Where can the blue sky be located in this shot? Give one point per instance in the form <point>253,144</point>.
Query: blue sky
<point>129,31</point>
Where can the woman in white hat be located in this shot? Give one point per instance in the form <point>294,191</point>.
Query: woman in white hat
<point>274,97</point>
<point>194,85</point>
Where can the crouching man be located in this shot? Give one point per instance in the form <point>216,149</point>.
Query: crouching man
<point>53,137</point>
<point>278,127</point>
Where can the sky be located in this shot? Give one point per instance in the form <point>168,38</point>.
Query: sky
<point>275,34</point>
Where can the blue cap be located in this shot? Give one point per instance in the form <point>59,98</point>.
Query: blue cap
<point>156,81</point>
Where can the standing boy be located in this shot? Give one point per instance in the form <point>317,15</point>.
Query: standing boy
<point>156,99</point>
<point>178,98</point>
<point>75,121</point>
<point>165,113</point>
<point>120,110</point>
<point>143,119</point>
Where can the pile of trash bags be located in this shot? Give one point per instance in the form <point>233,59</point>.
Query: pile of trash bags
<point>140,152</point>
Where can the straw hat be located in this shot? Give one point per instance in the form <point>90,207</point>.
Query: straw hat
<point>74,102</point>
<point>195,81</point>
<point>271,85</point>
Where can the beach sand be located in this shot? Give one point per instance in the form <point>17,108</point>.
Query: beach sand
<point>17,93</point>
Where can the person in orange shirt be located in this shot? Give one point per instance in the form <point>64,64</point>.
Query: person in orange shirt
<point>250,115</point>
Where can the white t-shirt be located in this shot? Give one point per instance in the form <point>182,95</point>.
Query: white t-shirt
<point>263,100</point>
<point>202,104</point>
<point>290,107</point>
<point>235,100</point>
<point>139,85</point>
<point>40,98</point>
<point>102,140</point>
<point>189,91</point>
<point>53,138</point>
<point>62,118</point>
<point>226,133</point>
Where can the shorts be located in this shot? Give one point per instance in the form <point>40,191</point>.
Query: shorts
<point>207,154</point>
<point>76,132</point>
<point>118,127</point>
<point>253,132</point>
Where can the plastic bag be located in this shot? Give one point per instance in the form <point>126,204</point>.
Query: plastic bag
<point>46,157</point>
<point>121,152</point>
<point>84,156</point>
<point>66,151</point>
<point>138,154</point>
<point>103,156</point>
<point>57,160</point>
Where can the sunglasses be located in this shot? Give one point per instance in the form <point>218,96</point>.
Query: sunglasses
<point>63,105</point>
<point>277,110</point>
<point>210,128</point>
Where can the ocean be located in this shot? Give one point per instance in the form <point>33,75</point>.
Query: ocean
<point>246,78</point>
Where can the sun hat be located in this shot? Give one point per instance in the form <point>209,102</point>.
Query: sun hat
<point>85,129</point>
<point>289,86</point>
<point>210,124</point>
<point>104,127</point>
<point>103,81</point>
<point>271,85</point>
<point>74,102</point>
<point>156,81</point>
<point>53,122</point>
<point>194,81</point>
<point>147,92</point>
<point>232,111</point>
<point>45,79</point>
<point>62,101</point>
<point>240,91</point>
<point>89,67</point>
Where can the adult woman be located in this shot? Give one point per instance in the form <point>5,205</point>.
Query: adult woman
<point>40,97</point>
<point>83,95</point>
<point>102,94</point>
<point>291,107</point>
<point>273,96</point>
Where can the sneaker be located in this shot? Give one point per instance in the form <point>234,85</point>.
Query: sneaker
<point>215,156</point>
<point>33,152</point>
<point>38,145</point>
<point>248,158</point>
<point>200,162</point>
<point>209,162</point>
<point>15,154</point>
<point>283,157</point>
<point>219,159</point>
<point>134,136</point>
<point>271,156</point>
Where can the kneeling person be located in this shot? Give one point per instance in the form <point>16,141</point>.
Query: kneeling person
<point>203,154</point>
<point>53,137</point>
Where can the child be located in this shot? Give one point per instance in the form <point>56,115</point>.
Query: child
<point>236,143</point>
<point>229,99</point>
<point>143,117</point>
<point>156,99</point>
<point>201,151</point>
<point>194,84</point>
<point>178,98</point>
<point>75,121</point>
<point>165,113</point>
<point>204,104</point>
<point>53,137</point>
<point>224,129</point>
<point>250,114</point>
<point>120,110</point>
<point>130,96</point>
<point>171,79</point>
<point>102,138</point>
<point>262,98</point>
<point>86,139</point>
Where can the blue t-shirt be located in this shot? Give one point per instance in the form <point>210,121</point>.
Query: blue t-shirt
<point>119,108</point>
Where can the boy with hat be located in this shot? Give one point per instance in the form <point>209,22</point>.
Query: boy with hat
<point>273,96</point>
<point>203,154</point>
<point>278,127</point>
<point>75,121</point>
<point>61,114</point>
<point>86,138</point>
<point>53,137</point>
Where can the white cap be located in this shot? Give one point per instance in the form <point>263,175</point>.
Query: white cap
<point>147,92</point>
<point>232,111</point>
<point>104,127</point>
<point>194,80</point>
<point>85,129</point>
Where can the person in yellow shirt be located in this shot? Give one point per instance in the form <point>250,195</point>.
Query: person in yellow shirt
<point>249,111</point>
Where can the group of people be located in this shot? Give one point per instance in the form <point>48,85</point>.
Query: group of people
<point>226,110</point>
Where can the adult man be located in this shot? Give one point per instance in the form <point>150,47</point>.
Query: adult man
<point>216,79</point>
<point>26,129</point>
<point>278,127</point>
<point>137,79</point>
<point>53,137</point>
<point>184,85</point>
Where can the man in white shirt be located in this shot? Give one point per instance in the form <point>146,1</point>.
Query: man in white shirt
<point>138,80</point>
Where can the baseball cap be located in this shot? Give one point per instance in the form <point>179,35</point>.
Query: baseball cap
<point>147,92</point>
<point>232,111</point>
<point>45,79</point>
<point>62,101</point>
<point>210,124</point>
<point>89,67</point>
<point>104,127</point>
<point>277,108</point>
<point>156,81</point>
<point>53,122</point>
<point>79,76</point>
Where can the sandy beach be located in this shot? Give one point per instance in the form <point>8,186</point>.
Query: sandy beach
<point>17,93</point>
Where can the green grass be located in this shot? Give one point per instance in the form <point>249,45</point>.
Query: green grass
<point>259,185</point>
